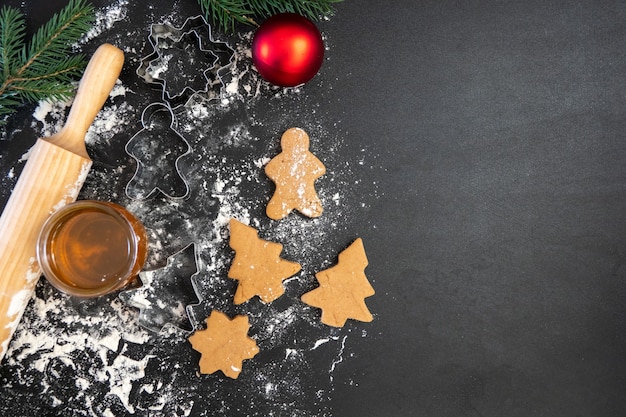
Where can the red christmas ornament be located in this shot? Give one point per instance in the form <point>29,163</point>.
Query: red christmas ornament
<point>287,49</point>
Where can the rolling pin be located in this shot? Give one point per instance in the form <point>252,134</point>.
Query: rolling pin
<point>52,177</point>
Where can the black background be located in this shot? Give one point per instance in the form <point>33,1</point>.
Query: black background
<point>495,225</point>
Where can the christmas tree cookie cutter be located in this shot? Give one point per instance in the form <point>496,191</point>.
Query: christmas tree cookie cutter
<point>165,293</point>
<point>158,150</point>
<point>173,65</point>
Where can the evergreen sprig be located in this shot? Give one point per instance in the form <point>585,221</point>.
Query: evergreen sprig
<point>225,13</point>
<point>44,67</point>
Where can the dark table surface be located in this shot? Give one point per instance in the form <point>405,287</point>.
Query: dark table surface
<point>479,150</point>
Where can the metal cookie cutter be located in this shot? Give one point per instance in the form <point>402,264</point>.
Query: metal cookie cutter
<point>165,293</point>
<point>158,149</point>
<point>209,290</point>
<point>185,61</point>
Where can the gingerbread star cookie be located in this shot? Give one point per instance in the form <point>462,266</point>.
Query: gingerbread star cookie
<point>257,265</point>
<point>294,171</point>
<point>224,344</point>
<point>343,288</point>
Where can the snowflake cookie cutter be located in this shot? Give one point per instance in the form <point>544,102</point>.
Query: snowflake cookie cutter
<point>163,297</point>
<point>182,48</point>
<point>158,149</point>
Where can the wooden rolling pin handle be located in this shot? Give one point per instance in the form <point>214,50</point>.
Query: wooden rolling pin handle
<point>99,78</point>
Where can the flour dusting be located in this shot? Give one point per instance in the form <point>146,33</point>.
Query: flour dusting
<point>105,19</point>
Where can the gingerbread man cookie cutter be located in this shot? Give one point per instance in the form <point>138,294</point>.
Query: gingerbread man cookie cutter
<point>173,64</point>
<point>158,150</point>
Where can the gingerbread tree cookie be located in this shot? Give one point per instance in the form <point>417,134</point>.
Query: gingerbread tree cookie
<point>257,265</point>
<point>224,344</point>
<point>294,172</point>
<point>343,288</point>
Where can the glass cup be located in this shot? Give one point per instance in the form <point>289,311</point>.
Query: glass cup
<point>91,248</point>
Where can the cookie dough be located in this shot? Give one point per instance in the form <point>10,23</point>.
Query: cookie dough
<point>294,172</point>
<point>257,265</point>
<point>343,288</point>
<point>224,344</point>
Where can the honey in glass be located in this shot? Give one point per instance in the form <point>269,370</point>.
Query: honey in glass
<point>91,248</point>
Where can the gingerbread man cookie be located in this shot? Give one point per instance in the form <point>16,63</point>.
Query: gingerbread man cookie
<point>343,288</point>
<point>294,172</point>
<point>224,344</point>
<point>257,265</point>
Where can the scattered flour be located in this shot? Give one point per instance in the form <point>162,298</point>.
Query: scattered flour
<point>51,116</point>
<point>105,19</point>
<point>69,334</point>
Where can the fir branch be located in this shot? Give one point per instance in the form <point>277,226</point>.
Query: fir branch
<point>12,29</point>
<point>43,68</point>
<point>225,13</point>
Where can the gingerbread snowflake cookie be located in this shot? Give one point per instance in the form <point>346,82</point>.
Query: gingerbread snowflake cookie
<point>294,171</point>
<point>224,344</point>
<point>257,265</point>
<point>343,288</point>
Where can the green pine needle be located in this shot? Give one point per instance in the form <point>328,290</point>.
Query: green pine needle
<point>44,67</point>
<point>225,13</point>
<point>12,27</point>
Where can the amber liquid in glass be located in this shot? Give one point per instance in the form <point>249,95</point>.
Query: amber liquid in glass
<point>92,248</point>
